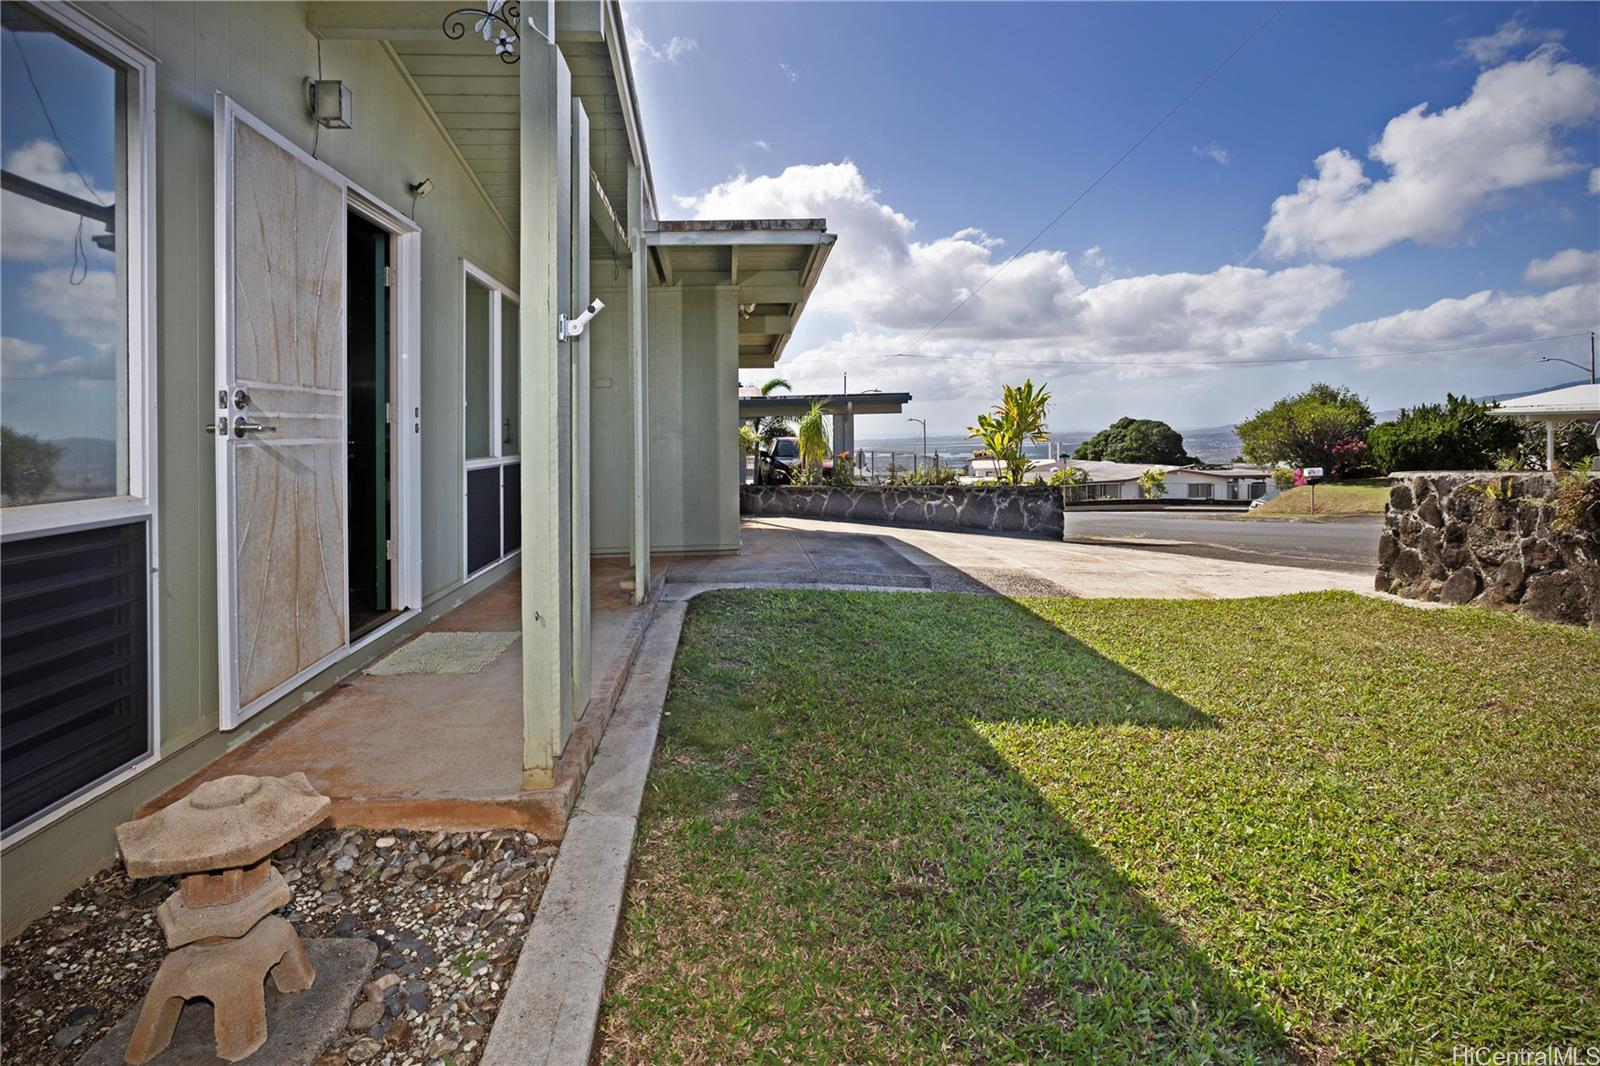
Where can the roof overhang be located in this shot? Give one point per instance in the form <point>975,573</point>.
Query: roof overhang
<point>774,263</point>
<point>474,98</point>
<point>1574,403</point>
<point>837,403</point>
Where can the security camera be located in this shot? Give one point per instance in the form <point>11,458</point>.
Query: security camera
<point>571,328</point>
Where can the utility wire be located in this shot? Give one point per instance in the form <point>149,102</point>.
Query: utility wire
<point>54,132</point>
<point>1201,84</point>
<point>1114,364</point>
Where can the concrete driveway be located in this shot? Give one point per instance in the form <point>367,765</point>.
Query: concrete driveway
<point>824,552</point>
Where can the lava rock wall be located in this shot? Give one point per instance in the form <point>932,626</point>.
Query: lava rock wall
<point>1000,509</point>
<point>1491,539</point>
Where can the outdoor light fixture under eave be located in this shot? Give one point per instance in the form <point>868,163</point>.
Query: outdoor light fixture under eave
<point>332,104</point>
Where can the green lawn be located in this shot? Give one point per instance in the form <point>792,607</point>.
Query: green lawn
<point>912,828</point>
<point>1362,496</point>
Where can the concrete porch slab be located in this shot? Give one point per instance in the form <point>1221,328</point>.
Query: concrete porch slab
<point>444,751</point>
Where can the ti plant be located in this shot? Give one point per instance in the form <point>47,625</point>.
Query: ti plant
<point>1017,419</point>
<point>1153,483</point>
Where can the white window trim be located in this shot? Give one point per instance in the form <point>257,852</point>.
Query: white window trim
<point>499,293</point>
<point>140,502</point>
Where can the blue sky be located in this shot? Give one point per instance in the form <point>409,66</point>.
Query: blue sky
<point>62,329</point>
<point>938,138</point>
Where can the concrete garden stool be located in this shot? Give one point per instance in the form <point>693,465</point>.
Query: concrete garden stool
<point>225,940</point>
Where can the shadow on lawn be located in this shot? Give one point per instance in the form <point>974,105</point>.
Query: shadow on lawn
<point>927,887</point>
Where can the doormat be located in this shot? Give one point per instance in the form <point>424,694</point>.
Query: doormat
<point>445,653</point>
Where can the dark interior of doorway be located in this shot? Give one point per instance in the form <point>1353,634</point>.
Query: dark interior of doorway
<point>369,452</point>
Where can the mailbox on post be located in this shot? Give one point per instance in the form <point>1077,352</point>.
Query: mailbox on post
<point>1312,474</point>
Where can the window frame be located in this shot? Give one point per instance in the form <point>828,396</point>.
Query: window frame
<point>139,504</point>
<point>499,295</point>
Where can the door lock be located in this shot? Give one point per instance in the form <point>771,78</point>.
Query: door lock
<point>240,399</point>
<point>242,425</point>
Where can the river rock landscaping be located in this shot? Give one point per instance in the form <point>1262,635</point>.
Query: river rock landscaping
<point>448,912</point>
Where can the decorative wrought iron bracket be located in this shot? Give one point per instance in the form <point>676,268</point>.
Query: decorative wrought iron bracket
<point>497,21</point>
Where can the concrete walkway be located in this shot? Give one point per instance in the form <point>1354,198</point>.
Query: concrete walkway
<point>810,551</point>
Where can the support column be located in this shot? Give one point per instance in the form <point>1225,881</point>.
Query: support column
<point>640,282</point>
<point>844,433</point>
<point>579,358</point>
<point>1549,445</point>
<point>545,90</point>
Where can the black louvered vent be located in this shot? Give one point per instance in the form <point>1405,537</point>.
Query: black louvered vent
<point>74,697</point>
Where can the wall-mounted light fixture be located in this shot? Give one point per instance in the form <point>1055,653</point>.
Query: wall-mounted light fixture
<point>332,104</point>
<point>420,188</point>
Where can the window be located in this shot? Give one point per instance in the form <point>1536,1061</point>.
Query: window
<point>1097,490</point>
<point>492,521</point>
<point>68,222</point>
<point>1201,490</point>
<point>77,464</point>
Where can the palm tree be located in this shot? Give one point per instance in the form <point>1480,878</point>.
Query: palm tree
<point>813,434</point>
<point>773,426</point>
<point>1015,420</point>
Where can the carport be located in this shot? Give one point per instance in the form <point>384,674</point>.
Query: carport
<point>842,406</point>
<point>1573,403</point>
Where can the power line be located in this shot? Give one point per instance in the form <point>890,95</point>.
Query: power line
<point>1201,84</point>
<point>54,132</point>
<point>1111,364</point>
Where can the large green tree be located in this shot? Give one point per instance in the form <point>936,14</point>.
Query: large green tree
<point>27,466</point>
<point>1459,434</point>
<point>1307,428</point>
<point>1136,440</point>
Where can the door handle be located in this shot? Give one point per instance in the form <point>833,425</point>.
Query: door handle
<point>242,425</point>
<point>219,426</point>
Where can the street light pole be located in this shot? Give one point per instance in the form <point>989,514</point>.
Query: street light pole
<point>1590,368</point>
<point>924,422</point>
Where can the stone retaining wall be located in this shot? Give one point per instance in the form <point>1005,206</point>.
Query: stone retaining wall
<point>1488,538</point>
<point>1024,509</point>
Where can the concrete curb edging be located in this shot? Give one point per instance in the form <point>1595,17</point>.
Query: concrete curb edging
<point>552,1004</point>
<point>551,1008</point>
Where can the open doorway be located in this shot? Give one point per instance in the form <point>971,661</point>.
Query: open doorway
<point>369,331</point>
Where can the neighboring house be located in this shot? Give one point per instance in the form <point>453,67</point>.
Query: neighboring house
<point>276,388</point>
<point>1120,481</point>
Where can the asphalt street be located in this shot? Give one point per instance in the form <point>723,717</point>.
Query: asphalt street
<point>1346,544</point>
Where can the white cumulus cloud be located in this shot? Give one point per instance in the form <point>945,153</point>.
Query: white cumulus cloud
<point>1594,182</point>
<point>1487,317</point>
<point>39,232</point>
<point>1442,166</point>
<point>1572,264</point>
<point>1510,36</point>
<point>643,50</point>
<point>891,286</point>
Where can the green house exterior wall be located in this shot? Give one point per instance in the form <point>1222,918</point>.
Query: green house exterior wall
<point>261,54</point>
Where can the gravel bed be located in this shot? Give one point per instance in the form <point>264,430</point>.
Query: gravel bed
<point>448,912</point>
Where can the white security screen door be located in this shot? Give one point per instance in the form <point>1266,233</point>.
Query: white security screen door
<point>280,414</point>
